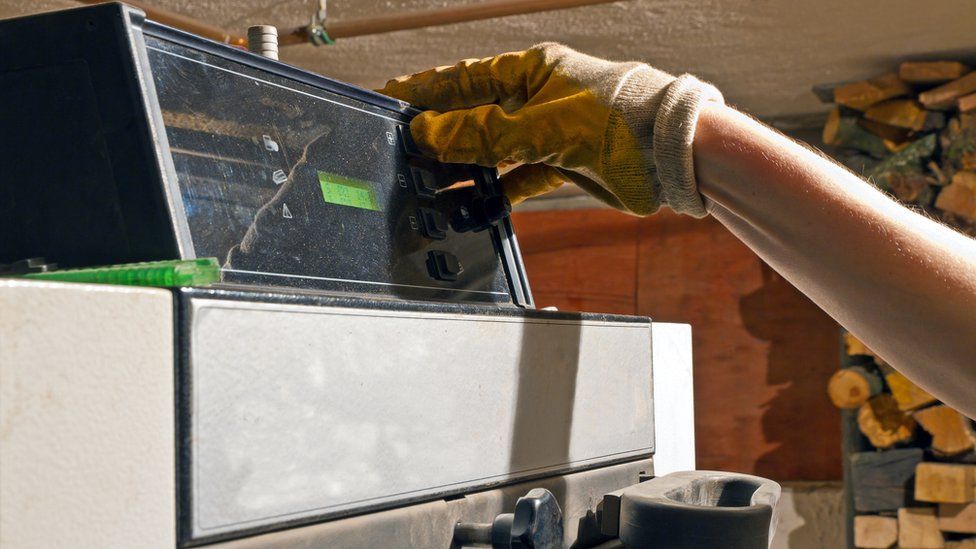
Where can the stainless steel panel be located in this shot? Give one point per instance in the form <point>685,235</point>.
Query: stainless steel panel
<point>299,412</point>
<point>431,525</point>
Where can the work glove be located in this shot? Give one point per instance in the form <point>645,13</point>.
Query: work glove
<point>621,131</point>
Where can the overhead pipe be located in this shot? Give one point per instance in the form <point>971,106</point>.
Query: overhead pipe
<point>182,22</point>
<point>323,32</point>
<point>476,11</point>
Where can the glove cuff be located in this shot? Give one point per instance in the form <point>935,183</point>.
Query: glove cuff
<point>627,156</point>
<point>674,133</point>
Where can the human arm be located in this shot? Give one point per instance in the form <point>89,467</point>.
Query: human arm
<point>902,283</point>
<point>637,138</point>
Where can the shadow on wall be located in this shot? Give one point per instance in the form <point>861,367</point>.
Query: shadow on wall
<point>787,421</point>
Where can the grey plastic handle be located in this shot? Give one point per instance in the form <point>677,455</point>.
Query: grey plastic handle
<point>693,509</point>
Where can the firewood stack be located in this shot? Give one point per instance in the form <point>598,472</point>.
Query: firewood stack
<point>913,135</point>
<point>917,489</point>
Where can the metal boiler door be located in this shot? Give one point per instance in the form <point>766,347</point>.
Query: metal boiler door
<point>295,413</point>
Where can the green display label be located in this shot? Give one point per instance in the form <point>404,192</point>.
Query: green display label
<point>346,191</point>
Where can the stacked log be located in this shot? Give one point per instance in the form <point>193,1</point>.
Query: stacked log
<point>911,133</point>
<point>917,488</point>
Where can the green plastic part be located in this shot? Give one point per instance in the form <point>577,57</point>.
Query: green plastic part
<point>168,274</point>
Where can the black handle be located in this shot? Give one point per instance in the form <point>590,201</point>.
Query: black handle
<point>537,523</point>
<point>693,509</point>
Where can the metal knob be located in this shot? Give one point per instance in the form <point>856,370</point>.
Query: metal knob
<point>536,523</point>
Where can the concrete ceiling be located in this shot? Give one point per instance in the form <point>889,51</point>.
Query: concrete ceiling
<point>764,54</point>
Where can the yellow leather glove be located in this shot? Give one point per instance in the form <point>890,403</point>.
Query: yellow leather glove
<point>621,131</point>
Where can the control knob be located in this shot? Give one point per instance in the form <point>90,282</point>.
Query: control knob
<point>537,523</point>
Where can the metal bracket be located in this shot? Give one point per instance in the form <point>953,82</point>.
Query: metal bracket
<point>315,30</point>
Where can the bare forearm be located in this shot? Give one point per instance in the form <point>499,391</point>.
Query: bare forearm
<point>900,282</point>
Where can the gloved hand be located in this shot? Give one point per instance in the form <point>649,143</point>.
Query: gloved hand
<point>621,131</point>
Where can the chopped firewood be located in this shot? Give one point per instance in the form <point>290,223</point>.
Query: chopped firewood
<point>918,528</point>
<point>962,224</point>
<point>875,532</point>
<point>945,482</point>
<point>825,92</point>
<point>903,113</point>
<point>908,187</point>
<point>908,161</point>
<point>883,367</point>
<point>857,162</point>
<point>844,131</point>
<point>959,197</point>
<point>853,346</point>
<point>885,131</point>
<point>966,103</point>
<point>968,543</point>
<point>894,146</point>
<point>880,480</point>
<point>908,395</point>
<point>880,420</point>
<point>934,120</point>
<point>861,95</point>
<point>952,432</point>
<point>958,141</point>
<point>931,72</point>
<point>940,178</point>
<point>955,517</point>
<point>851,387</point>
<point>945,96</point>
<point>967,120</point>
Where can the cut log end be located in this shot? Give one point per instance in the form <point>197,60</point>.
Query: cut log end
<point>883,423</point>
<point>945,482</point>
<point>918,528</point>
<point>875,532</point>
<point>952,432</point>
<point>851,387</point>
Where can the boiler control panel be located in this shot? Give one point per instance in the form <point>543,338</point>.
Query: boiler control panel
<point>180,148</point>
